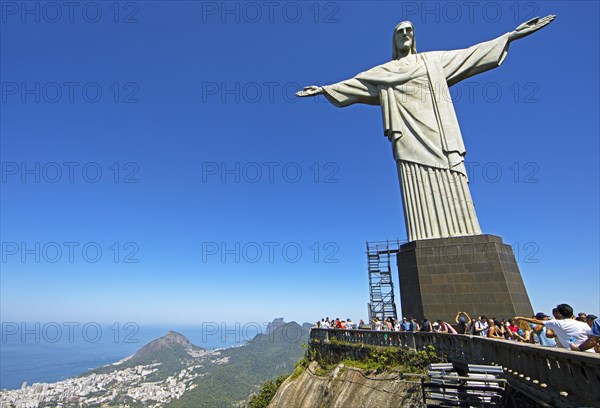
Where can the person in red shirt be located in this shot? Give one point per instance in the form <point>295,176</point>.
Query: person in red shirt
<point>514,331</point>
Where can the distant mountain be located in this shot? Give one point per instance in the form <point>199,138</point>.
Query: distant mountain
<point>171,345</point>
<point>172,352</point>
<point>277,322</point>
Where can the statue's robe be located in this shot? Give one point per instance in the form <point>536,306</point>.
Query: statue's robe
<point>420,122</point>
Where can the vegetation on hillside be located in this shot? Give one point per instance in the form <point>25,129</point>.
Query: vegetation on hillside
<point>266,393</point>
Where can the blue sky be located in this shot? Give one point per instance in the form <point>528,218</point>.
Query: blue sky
<point>157,169</point>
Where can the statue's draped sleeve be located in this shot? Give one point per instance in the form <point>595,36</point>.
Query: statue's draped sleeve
<point>352,91</point>
<point>461,64</point>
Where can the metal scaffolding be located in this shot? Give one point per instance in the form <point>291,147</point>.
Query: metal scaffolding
<point>381,287</point>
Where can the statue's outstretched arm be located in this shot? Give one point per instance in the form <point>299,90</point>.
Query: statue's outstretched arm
<point>530,27</point>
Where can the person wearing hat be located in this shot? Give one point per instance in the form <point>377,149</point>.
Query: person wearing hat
<point>462,319</point>
<point>541,332</point>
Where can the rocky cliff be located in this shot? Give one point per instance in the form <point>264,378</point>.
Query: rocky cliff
<point>346,387</point>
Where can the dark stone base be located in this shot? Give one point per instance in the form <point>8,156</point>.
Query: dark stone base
<point>474,274</point>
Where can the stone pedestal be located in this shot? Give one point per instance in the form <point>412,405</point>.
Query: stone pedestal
<point>475,274</point>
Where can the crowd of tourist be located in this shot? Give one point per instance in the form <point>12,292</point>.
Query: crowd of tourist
<point>563,329</point>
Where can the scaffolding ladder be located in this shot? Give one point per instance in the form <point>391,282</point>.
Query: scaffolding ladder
<point>381,287</point>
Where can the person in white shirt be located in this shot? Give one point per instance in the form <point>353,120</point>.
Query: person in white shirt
<point>593,341</point>
<point>350,324</point>
<point>568,330</point>
<point>481,326</point>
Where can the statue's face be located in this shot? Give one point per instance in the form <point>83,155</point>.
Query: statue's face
<point>404,37</point>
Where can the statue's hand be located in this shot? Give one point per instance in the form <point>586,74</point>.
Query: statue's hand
<point>310,91</point>
<point>531,26</point>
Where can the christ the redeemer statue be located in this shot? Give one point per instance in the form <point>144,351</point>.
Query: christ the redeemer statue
<point>420,123</point>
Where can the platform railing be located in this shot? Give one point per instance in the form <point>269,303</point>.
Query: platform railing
<point>558,376</point>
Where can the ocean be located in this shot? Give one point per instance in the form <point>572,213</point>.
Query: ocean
<point>41,355</point>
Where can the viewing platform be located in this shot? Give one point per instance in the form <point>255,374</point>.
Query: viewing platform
<point>550,376</point>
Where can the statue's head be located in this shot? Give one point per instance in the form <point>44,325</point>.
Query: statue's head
<point>403,40</point>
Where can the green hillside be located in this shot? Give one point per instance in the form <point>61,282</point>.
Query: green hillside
<point>265,357</point>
